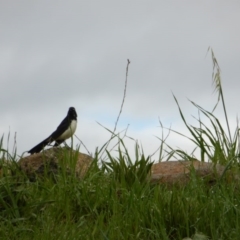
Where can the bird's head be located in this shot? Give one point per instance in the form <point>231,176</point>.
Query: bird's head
<point>72,113</point>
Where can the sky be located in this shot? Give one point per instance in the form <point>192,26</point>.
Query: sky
<point>58,54</point>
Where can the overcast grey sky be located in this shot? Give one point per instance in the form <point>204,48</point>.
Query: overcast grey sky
<point>57,54</point>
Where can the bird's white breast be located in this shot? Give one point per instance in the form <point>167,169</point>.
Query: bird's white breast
<point>70,131</point>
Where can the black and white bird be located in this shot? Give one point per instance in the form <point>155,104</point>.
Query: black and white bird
<point>65,130</point>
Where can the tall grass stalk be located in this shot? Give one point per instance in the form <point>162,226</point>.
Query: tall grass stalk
<point>210,139</point>
<point>216,77</point>
<point>121,108</point>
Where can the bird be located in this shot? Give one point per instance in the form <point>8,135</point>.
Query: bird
<point>65,130</point>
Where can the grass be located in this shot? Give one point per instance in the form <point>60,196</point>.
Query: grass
<point>115,200</point>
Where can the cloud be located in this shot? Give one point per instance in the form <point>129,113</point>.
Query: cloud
<point>60,54</point>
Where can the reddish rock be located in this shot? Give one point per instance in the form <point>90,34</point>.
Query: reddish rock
<point>179,172</point>
<point>54,160</point>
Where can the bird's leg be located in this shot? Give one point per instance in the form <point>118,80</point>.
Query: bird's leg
<point>66,146</point>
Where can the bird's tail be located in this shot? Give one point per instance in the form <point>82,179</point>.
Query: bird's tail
<point>38,148</point>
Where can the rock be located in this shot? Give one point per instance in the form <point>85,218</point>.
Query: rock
<point>172,172</point>
<point>53,160</point>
